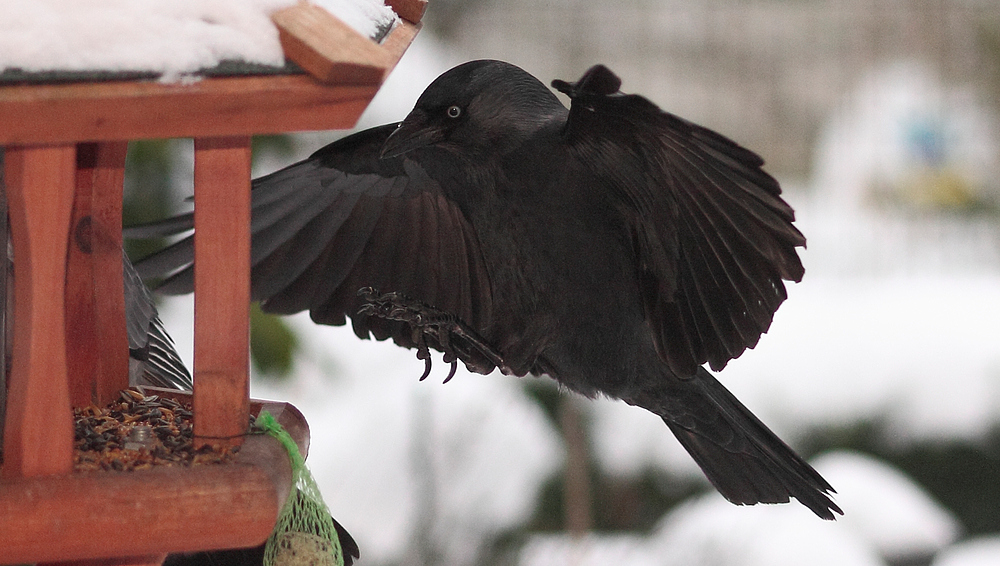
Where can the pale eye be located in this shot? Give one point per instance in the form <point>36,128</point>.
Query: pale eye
<point>454,111</point>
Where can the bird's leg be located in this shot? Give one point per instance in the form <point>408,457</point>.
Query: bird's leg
<point>454,337</point>
<point>384,306</point>
<point>461,330</point>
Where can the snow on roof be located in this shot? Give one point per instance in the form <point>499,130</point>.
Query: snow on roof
<point>168,37</point>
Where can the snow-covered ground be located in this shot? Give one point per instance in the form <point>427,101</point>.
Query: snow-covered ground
<point>885,516</point>
<point>898,320</point>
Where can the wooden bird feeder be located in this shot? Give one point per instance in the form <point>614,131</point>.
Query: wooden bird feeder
<point>65,148</point>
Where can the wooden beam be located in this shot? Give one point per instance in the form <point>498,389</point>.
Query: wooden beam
<point>94,515</point>
<point>131,110</point>
<point>149,560</point>
<point>38,437</point>
<point>399,41</point>
<point>327,48</point>
<point>221,289</point>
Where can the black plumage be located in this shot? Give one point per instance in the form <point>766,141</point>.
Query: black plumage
<point>613,246</point>
<point>153,358</point>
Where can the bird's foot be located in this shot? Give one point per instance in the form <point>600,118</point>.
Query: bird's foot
<point>455,338</point>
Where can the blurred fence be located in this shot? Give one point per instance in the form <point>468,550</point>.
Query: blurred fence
<point>765,72</point>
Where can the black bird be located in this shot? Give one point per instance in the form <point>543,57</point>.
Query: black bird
<point>613,246</point>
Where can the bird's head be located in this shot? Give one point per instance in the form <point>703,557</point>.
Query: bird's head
<point>477,106</point>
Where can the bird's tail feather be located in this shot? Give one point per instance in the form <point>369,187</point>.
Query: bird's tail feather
<point>741,457</point>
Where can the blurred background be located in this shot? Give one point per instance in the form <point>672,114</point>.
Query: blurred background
<point>880,119</point>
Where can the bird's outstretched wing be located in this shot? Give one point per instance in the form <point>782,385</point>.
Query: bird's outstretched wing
<point>713,238</point>
<point>341,220</point>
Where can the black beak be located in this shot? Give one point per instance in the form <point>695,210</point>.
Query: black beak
<point>412,133</point>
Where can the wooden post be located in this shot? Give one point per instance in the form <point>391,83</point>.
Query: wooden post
<point>38,438</point>
<point>221,290</point>
<point>96,340</point>
<point>107,185</point>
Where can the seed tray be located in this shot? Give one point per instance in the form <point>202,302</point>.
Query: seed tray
<point>137,432</point>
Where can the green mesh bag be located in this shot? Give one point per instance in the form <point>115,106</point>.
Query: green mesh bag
<point>305,534</point>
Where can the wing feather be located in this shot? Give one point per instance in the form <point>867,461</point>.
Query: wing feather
<point>341,220</point>
<point>713,238</point>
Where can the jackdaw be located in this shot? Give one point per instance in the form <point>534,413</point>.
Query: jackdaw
<point>612,246</point>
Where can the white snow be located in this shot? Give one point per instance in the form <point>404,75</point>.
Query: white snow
<point>710,531</point>
<point>591,550</point>
<point>628,440</point>
<point>365,16</point>
<point>172,37</point>
<point>886,515</point>
<point>918,354</point>
<point>885,507</point>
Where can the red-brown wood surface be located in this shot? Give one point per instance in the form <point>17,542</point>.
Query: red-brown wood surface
<point>148,560</point>
<point>221,288</point>
<point>106,266</point>
<point>327,48</point>
<point>95,305</point>
<point>410,10</point>
<point>397,42</point>
<point>168,509</point>
<point>81,342</point>
<point>38,435</point>
<point>210,107</point>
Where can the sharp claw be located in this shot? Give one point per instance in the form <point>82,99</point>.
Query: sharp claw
<point>425,322</point>
<point>451,373</point>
